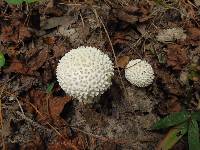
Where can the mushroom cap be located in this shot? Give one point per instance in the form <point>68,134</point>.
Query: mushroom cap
<point>84,73</point>
<point>139,73</point>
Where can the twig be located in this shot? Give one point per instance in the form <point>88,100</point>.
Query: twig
<point>115,58</point>
<point>38,126</point>
<point>35,124</point>
<point>20,106</point>
<point>104,138</point>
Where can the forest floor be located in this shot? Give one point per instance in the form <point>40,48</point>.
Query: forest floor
<point>35,113</point>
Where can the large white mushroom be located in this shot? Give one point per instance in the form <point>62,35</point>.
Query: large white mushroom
<point>85,73</point>
<point>139,73</point>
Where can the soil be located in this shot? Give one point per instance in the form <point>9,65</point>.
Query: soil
<point>35,113</point>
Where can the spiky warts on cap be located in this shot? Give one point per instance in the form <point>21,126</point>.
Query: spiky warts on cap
<point>85,73</point>
<point>139,73</point>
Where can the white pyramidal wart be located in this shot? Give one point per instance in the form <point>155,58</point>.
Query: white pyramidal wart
<point>139,73</point>
<point>85,73</point>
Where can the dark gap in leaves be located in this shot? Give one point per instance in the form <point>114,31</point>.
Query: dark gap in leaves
<point>41,70</point>
<point>116,25</point>
<point>145,113</point>
<point>60,92</point>
<point>35,19</point>
<point>119,47</point>
<point>173,15</point>
<point>105,104</point>
<point>51,52</point>
<point>181,145</point>
<point>13,146</point>
<point>108,99</point>
<point>16,124</point>
<point>22,93</point>
<point>68,111</point>
<point>71,133</point>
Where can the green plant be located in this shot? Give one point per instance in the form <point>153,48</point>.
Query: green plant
<point>182,123</point>
<point>50,87</point>
<point>18,2</point>
<point>2,60</point>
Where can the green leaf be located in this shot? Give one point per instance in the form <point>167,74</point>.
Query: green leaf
<point>171,120</point>
<point>2,60</point>
<point>173,136</point>
<point>18,2</point>
<point>196,116</point>
<point>50,87</point>
<point>193,135</point>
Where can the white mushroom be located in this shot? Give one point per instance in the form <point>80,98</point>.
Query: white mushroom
<point>85,73</point>
<point>139,73</point>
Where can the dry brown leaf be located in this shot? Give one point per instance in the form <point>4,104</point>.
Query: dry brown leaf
<point>8,34</point>
<point>17,67</point>
<point>56,21</point>
<point>50,107</point>
<point>24,33</point>
<point>177,56</point>
<point>59,50</point>
<point>14,33</point>
<point>122,61</point>
<point>56,106</point>
<point>193,36</point>
<point>49,40</point>
<point>121,15</point>
<point>174,105</point>
<point>36,62</point>
<point>47,75</point>
<point>171,85</point>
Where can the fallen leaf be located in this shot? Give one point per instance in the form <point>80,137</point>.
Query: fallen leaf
<point>170,85</point>
<point>170,35</point>
<point>76,36</point>
<point>56,21</point>
<point>30,53</point>
<point>56,106</point>
<point>177,56</point>
<point>122,15</point>
<point>189,9</point>
<point>49,40</point>
<point>193,36</point>
<point>36,62</point>
<point>59,50</point>
<point>14,33</point>
<point>133,13</point>
<point>126,14</point>
<point>50,107</point>
<point>47,74</point>
<point>122,61</point>
<point>7,34</point>
<point>174,105</point>
<point>17,67</point>
<point>23,33</point>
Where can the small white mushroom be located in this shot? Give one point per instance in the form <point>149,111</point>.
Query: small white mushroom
<point>85,73</point>
<point>139,73</point>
